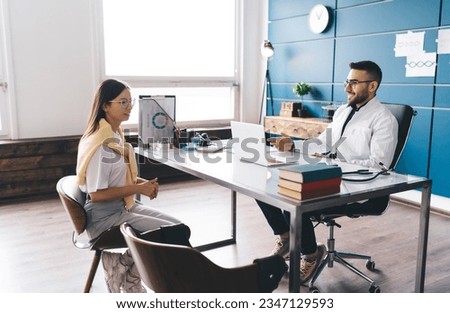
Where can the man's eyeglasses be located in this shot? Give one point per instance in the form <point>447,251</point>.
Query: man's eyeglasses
<point>353,82</point>
<point>125,102</point>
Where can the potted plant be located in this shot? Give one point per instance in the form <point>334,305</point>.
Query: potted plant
<point>301,89</point>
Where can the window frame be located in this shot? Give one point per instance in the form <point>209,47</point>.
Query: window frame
<point>175,82</point>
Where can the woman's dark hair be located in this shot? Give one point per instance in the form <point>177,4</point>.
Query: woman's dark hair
<point>106,91</point>
<point>370,67</point>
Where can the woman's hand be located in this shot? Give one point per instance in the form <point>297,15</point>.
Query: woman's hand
<point>149,188</point>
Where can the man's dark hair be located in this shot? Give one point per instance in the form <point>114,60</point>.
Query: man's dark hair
<point>370,67</point>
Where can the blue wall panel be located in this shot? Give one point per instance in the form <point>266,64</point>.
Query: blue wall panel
<point>443,69</point>
<point>304,61</point>
<point>387,16</point>
<point>439,161</point>
<point>279,9</point>
<point>350,3</point>
<point>277,30</point>
<point>414,159</point>
<point>442,96</point>
<point>284,92</point>
<point>445,18</point>
<point>414,95</point>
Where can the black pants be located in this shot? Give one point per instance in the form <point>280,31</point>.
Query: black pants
<point>279,220</point>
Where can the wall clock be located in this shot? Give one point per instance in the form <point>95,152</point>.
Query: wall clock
<point>319,17</point>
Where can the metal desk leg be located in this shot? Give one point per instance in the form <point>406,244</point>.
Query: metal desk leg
<point>233,214</point>
<point>423,237</point>
<point>294,242</point>
<point>231,240</point>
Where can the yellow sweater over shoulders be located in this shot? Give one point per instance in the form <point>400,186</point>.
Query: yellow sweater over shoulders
<point>105,136</point>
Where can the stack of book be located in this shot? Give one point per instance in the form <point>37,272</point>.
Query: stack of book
<point>308,181</point>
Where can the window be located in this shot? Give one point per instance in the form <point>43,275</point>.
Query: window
<point>175,47</point>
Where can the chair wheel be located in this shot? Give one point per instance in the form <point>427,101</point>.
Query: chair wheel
<point>314,290</point>
<point>370,265</point>
<point>374,289</point>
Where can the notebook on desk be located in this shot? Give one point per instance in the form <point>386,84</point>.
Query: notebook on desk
<point>250,146</point>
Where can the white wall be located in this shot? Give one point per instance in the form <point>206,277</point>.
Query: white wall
<point>55,69</point>
<point>52,65</point>
<point>252,80</point>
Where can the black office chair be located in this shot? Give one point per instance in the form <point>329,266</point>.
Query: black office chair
<point>404,115</point>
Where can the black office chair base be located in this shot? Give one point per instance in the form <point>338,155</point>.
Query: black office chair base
<point>339,257</point>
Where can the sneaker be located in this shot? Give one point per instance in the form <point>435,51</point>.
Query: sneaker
<point>114,271</point>
<point>307,268</point>
<point>132,280</point>
<point>281,247</point>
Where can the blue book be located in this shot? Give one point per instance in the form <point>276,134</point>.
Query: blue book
<point>305,173</point>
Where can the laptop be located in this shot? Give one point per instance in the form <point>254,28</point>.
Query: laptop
<point>249,145</point>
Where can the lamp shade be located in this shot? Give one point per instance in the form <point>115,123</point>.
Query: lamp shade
<point>266,49</point>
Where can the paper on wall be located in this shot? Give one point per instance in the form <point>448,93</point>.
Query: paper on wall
<point>443,41</point>
<point>409,44</point>
<point>421,65</point>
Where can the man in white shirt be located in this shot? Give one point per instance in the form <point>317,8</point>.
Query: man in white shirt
<point>363,132</point>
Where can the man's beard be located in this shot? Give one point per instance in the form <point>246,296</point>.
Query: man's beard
<point>358,100</point>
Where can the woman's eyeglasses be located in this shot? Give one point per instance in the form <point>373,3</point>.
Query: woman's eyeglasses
<point>125,102</point>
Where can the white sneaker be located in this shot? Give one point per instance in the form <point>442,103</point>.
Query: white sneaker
<point>281,247</point>
<point>132,281</point>
<point>307,268</point>
<point>114,271</point>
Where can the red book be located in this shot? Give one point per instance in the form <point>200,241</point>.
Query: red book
<point>311,186</point>
<point>309,195</point>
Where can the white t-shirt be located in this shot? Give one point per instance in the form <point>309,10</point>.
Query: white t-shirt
<point>106,169</point>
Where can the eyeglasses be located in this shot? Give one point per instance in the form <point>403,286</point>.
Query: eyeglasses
<point>125,102</point>
<point>354,82</point>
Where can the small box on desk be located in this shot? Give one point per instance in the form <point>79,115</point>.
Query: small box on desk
<point>290,109</point>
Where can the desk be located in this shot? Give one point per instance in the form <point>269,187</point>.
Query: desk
<point>260,183</point>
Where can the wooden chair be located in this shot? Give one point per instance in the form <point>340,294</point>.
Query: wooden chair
<point>167,263</point>
<point>374,207</point>
<point>73,200</point>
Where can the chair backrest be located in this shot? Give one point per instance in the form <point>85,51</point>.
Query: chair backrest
<point>168,267</point>
<point>73,200</point>
<point>404,115</point>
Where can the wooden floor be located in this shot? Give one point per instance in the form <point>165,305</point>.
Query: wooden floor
<point>38,256</point>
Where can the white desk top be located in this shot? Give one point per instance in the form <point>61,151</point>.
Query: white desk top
<point>260,182</point>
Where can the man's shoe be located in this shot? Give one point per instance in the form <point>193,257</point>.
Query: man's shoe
<point>281,247</point>
<point>114,271</point>
<point>307,268</point>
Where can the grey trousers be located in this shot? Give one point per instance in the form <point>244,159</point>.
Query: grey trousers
<point>103,215</point>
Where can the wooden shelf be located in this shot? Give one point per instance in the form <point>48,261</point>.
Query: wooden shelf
<point>299,127</point>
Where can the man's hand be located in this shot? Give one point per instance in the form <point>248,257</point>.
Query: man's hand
<point>281,143</point>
